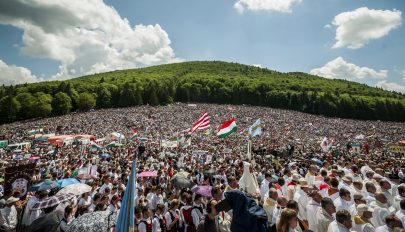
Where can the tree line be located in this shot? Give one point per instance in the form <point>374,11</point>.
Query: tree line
<point>201,82</point>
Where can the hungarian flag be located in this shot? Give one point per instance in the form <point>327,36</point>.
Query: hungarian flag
<point>227,128</point>
<point>134,133</point>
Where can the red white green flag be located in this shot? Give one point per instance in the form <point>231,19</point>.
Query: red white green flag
<point>227,128</point>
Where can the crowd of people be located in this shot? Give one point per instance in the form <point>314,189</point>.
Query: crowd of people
<point>286,180</point>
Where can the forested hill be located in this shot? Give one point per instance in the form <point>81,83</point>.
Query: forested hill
<point>208,82</point>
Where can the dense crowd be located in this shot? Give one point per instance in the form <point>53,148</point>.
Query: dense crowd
<point>285,177</point>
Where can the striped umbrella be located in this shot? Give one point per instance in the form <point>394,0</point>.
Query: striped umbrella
<point>52,201</point>
<point>126,218</point>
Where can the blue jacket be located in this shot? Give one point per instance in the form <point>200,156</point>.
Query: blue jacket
<point>247,215</point>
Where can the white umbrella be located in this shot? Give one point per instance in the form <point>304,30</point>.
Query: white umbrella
<point>77,189</point>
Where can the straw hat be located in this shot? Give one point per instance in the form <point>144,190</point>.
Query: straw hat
<point>303,183</point>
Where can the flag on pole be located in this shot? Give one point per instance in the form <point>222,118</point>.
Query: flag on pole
<point>249,150</point>
<point>326,144</point>
<point>202,123</point>
<point>134,133</point>
<point>227,128</point>
<point>255,129</point>
<point>126,217</point>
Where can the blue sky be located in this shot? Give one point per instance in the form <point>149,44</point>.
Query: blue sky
<point>296,37</point>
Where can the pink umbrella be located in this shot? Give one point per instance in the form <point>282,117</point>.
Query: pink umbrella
<point>203,190</point>
<point>33,158</point>
<point>147,174</point>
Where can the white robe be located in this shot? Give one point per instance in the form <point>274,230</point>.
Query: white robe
<point>248,181</point>
<point>312,210</point>
<point>379,214</point>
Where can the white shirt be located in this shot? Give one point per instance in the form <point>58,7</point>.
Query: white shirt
<point>84,201</point>
<point>197,215</point>
<point>384,228</point>
<point>8,218</point>
<point>92,208</point>
<point>104,186</point>
<point>397,201</point>
<point>264,189</point>
<point>156,199</point>
<point>156,224</point>
<point>168,218</point>
<point>401,215</point>
<point>379,214</point>
<point>26,217</point>
<point>337,227</point>
<point>341,204</point>
<point>312,210</point>
<point>142,225</point>
<point>302,198</point>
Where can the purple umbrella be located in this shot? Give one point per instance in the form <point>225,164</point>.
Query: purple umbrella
<point>147,174</point>
<point>203,190</point>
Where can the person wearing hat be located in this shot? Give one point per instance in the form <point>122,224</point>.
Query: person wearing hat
<point>301,197</point>
<point>293,186</point>
<point>8,215</point>
<point>362,219</point>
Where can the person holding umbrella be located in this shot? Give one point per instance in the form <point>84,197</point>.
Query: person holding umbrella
<point>35,214</point>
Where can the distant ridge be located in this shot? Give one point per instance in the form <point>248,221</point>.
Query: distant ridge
<point>202,81</point>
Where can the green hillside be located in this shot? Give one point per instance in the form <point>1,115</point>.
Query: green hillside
<point>208,82</point>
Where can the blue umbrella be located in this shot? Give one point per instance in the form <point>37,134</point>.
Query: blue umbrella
<point>105,155</point>
<point>126,218</point>
<point>47,184</point>
<point>65,182</point>
<point>317,161</point>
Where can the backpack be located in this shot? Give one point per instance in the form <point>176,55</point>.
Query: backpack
<point>188,219</point>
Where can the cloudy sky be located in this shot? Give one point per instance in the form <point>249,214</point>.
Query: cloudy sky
<point>363,41</point>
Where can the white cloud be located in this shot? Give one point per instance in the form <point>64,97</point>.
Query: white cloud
<point>12,75</point>
<point>327,26</point>
<point>356,28</point>
<point>340,69</point>
<point>265,5</point>
<point>392,86</point>
<point>257,65</point>
<point>85,36</point>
